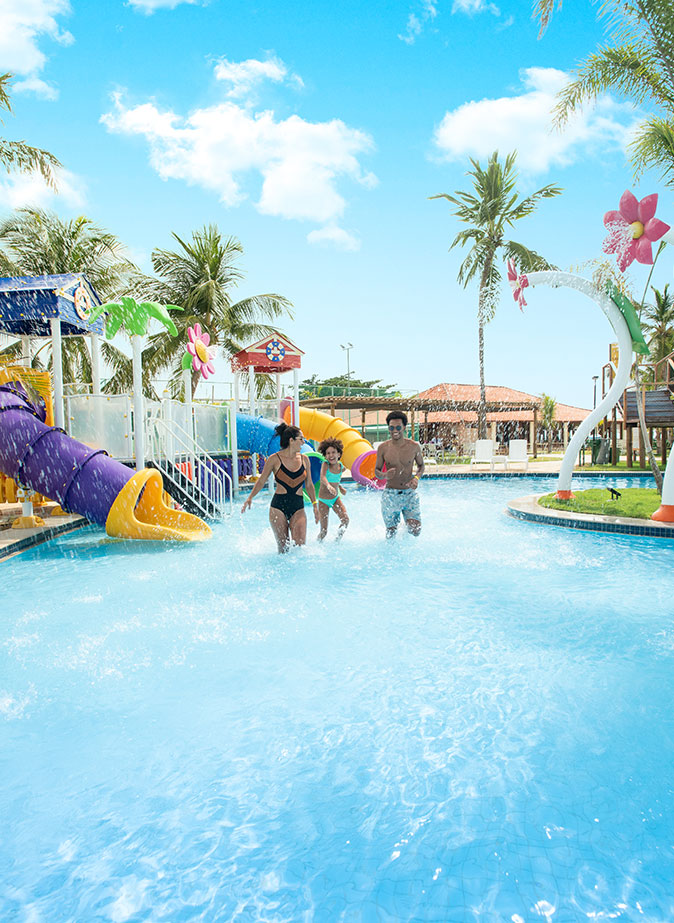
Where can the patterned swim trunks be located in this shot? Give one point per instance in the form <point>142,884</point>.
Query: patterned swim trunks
<point>395,502</point>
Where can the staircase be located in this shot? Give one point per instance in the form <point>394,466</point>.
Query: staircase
<point>192,477</point>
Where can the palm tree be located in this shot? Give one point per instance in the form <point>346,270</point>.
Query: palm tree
<point>17,155</point>
<point>199,276</point>
<point>658,323</point>
<point>35,242</point>
<point>639,66</point>
<point>548,413</point>
<point>489,212</point>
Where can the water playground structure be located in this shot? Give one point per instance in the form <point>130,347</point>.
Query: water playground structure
<point>632,230</point>
<point>197,453</point>
<point>103,475</point>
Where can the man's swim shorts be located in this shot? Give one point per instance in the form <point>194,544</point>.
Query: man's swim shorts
<point>395,502</point>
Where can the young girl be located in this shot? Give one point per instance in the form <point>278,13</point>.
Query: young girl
<point>330,488</point>
<point>292,474</point>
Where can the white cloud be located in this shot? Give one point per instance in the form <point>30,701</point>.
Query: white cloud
<point>426,11</point>
<point>523,123</point>
<point>150,6</point>
<point>472,7</point>
<point>20,190</point>
<point>297,163</point>
<point>243,76</point>
<point>23,24</point>
<point>335,236</point>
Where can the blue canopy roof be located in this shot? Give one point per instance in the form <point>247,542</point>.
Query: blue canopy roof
<point>28,303</point>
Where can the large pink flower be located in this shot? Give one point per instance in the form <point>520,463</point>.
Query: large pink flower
<point>517,284</point>
<point>633,229</point>
<point>199,349</point>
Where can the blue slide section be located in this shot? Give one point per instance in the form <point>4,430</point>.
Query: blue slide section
<point>256,435</point>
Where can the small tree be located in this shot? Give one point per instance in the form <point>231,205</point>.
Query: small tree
<point>548,412</point>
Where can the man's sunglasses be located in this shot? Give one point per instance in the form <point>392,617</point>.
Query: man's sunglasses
<point>390,426</point>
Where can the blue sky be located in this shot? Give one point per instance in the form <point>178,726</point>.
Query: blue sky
<point>315,132</point>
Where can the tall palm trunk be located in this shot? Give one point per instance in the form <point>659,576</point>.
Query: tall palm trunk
<point>482,317</point>
<point>482,409</point>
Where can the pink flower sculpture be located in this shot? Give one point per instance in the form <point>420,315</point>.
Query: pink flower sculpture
<point>199,349</point>
<point>633,229</point>
<point>517,284</point>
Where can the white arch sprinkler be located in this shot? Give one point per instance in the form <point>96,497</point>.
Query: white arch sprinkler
<point>615,307</point>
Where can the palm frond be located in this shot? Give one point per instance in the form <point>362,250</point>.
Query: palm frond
<point>525,259</point>
<point>653,148</point>
<point>630,70</point>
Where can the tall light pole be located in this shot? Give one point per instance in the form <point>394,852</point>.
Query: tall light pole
<point>594,404</point>
<point>347,348</point>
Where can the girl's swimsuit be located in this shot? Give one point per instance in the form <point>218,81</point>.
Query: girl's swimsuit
<point>332,479</point>
<point>291,501</point>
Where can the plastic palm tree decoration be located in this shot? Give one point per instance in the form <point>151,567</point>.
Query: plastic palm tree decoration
<point>134,316</point>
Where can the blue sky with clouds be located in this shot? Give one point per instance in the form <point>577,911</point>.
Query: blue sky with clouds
<point>316,132</point>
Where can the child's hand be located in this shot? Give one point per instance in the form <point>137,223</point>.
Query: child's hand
<point>247,504</point>
<point>316,511</point>
<point>343,490</point>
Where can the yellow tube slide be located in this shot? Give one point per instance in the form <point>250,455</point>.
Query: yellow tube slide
<point>318,425</point>
<point>149,517</point>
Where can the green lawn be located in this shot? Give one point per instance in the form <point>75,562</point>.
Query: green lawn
<point>634,502</point>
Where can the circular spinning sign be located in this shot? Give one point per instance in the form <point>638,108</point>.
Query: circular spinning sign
<point>275,351</point>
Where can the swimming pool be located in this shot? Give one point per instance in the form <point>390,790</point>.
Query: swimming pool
<point>473,726</point>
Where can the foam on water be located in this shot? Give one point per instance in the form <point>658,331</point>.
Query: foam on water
<point>474,725</point>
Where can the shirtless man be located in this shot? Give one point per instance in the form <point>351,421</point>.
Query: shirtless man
<point>400,494</point>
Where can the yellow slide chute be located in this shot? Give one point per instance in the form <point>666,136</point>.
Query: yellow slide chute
<point>358,453</point>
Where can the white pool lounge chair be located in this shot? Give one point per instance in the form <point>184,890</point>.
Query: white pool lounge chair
<point>484,452</point>
<point>517,453</point>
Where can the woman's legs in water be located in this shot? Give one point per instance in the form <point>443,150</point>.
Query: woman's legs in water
<point>323,516</point>
<point>279,526</point>
<point>340,509</point>
<point>298,527</point>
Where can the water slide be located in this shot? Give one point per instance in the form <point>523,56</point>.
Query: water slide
<point>256,435</point>
<point>84,480</point>
<point>358,454</point>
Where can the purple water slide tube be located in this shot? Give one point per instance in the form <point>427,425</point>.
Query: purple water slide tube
<point>83,480</point>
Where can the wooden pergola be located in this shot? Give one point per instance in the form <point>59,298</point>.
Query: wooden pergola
<point>415,406</point>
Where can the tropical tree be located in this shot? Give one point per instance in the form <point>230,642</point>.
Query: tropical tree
<point>548,413</point>
<point>341,384</point>
<point>17,155</point>
<point>35,242</point>
<point>639,66</point>
<point>200,277</point>
<point>489,212</point>
<point>658,323</point>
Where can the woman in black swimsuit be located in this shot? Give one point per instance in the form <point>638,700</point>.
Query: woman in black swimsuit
<point>293,475</point>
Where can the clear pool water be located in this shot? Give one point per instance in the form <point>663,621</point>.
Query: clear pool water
<point>473,726</point>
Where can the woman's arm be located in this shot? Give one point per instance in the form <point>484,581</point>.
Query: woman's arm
<point>309,486</point>
<point>259,484</point>
<point>325,484</point>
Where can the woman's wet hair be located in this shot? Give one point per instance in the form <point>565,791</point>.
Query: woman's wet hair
<point>334,443</point>
<point>396,415</point>
<point>286,433</point>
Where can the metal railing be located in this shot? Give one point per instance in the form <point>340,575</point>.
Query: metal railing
<point>184,463</point>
